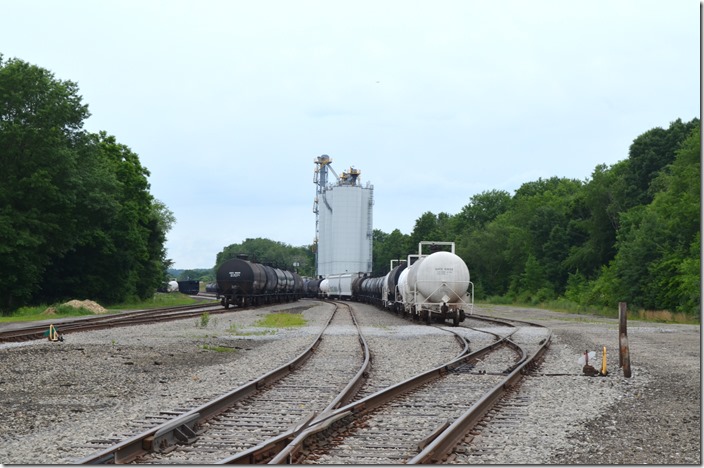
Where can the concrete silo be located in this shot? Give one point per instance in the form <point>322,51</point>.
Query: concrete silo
<point>343,221</point>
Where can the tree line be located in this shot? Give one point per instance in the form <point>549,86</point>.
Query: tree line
<point>630,232</point>
<point>277,254</point>
<point>76,216</point>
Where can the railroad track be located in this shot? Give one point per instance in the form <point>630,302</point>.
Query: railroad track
<point>97,322</point>
<point>490,431</point>
<point>280,419</point>
<point>252,418</point>
<point>422,419</point>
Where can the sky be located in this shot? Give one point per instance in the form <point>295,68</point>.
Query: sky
<point>229,103</point>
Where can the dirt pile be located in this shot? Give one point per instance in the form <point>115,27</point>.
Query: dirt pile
<point>88,305</point>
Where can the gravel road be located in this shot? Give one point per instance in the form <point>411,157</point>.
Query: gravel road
<point>95,385</point>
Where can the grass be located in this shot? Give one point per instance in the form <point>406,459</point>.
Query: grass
<point>30,314</point>
<point>281,321</point>
<point>158,300</point>
<point>204,319</point>
<point>269,322</point>
<point>569,307</point>
<point>218,349</point>
<point>664,316</point>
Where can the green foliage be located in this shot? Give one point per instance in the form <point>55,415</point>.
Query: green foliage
<point>76,216</point>
<point>387,247</point>
<point>156,301</point>
<point>629,233</point>
<point>204,319</point>
<point>40,135</point>
<point>199,274</point>
<point>279,254</point>
<point>34,313</point>
<point>481,210</point>
<point>430,227</point>
<point>281,320</point>
<point>657,262</point>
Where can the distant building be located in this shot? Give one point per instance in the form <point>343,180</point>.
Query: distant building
<point>343,221</point>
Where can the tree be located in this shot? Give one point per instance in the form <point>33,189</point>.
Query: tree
<point>658,257</point>
<point>387,247</point>
<point>278,254</point>
<point>481,209</point>
<point>648,155</point>
<point>76,215</point>
<point>41,121</point>
<point>593,224</point>
<point>431,227</point>
<point>484,252</point>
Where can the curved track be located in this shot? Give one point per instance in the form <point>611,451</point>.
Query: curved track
<point>419,420</point>
<point>279,402</point>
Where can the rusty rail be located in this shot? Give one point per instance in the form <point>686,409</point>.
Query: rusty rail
<point>182,429</point>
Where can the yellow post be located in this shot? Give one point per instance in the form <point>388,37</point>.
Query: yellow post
<point>603,362</point>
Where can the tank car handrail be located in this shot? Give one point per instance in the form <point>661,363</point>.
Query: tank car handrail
<point>422,243</point>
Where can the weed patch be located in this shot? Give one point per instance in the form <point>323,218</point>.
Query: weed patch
<point>281,321</point>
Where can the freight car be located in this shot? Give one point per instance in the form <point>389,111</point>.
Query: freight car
<point>190,287</point>
<point>311,287</point>
<point>435,287</point>
<point>338,286</point>
<point>243,283</point>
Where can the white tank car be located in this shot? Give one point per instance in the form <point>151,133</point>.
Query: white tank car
<point>437,286</point>
<point>340,286</point>
<point>403,286</point>
<point>324,288</point>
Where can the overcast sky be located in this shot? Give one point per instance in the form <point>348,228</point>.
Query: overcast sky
<point>228,103</point>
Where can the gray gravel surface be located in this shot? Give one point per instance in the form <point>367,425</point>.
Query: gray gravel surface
<point>654,417</point>
<point>97,385</point>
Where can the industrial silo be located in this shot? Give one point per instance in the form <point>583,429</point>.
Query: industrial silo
<point>343,209</point>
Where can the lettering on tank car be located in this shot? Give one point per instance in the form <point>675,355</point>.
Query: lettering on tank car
<point>235,274</point>
<point>444,270</point>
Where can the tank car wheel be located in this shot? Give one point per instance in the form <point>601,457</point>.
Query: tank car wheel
<point>225,303</point>
<point>427,317</point>
<point>456,320</point>
<point>462,315</point>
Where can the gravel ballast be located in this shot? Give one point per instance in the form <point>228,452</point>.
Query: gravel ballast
<point>56,396</point>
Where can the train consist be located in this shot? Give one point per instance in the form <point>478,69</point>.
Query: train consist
<point>436,286</point>
<point>243,283</point>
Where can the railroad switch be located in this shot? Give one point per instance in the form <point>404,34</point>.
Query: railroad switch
<point>53,334</point>
<point>590,370</point>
